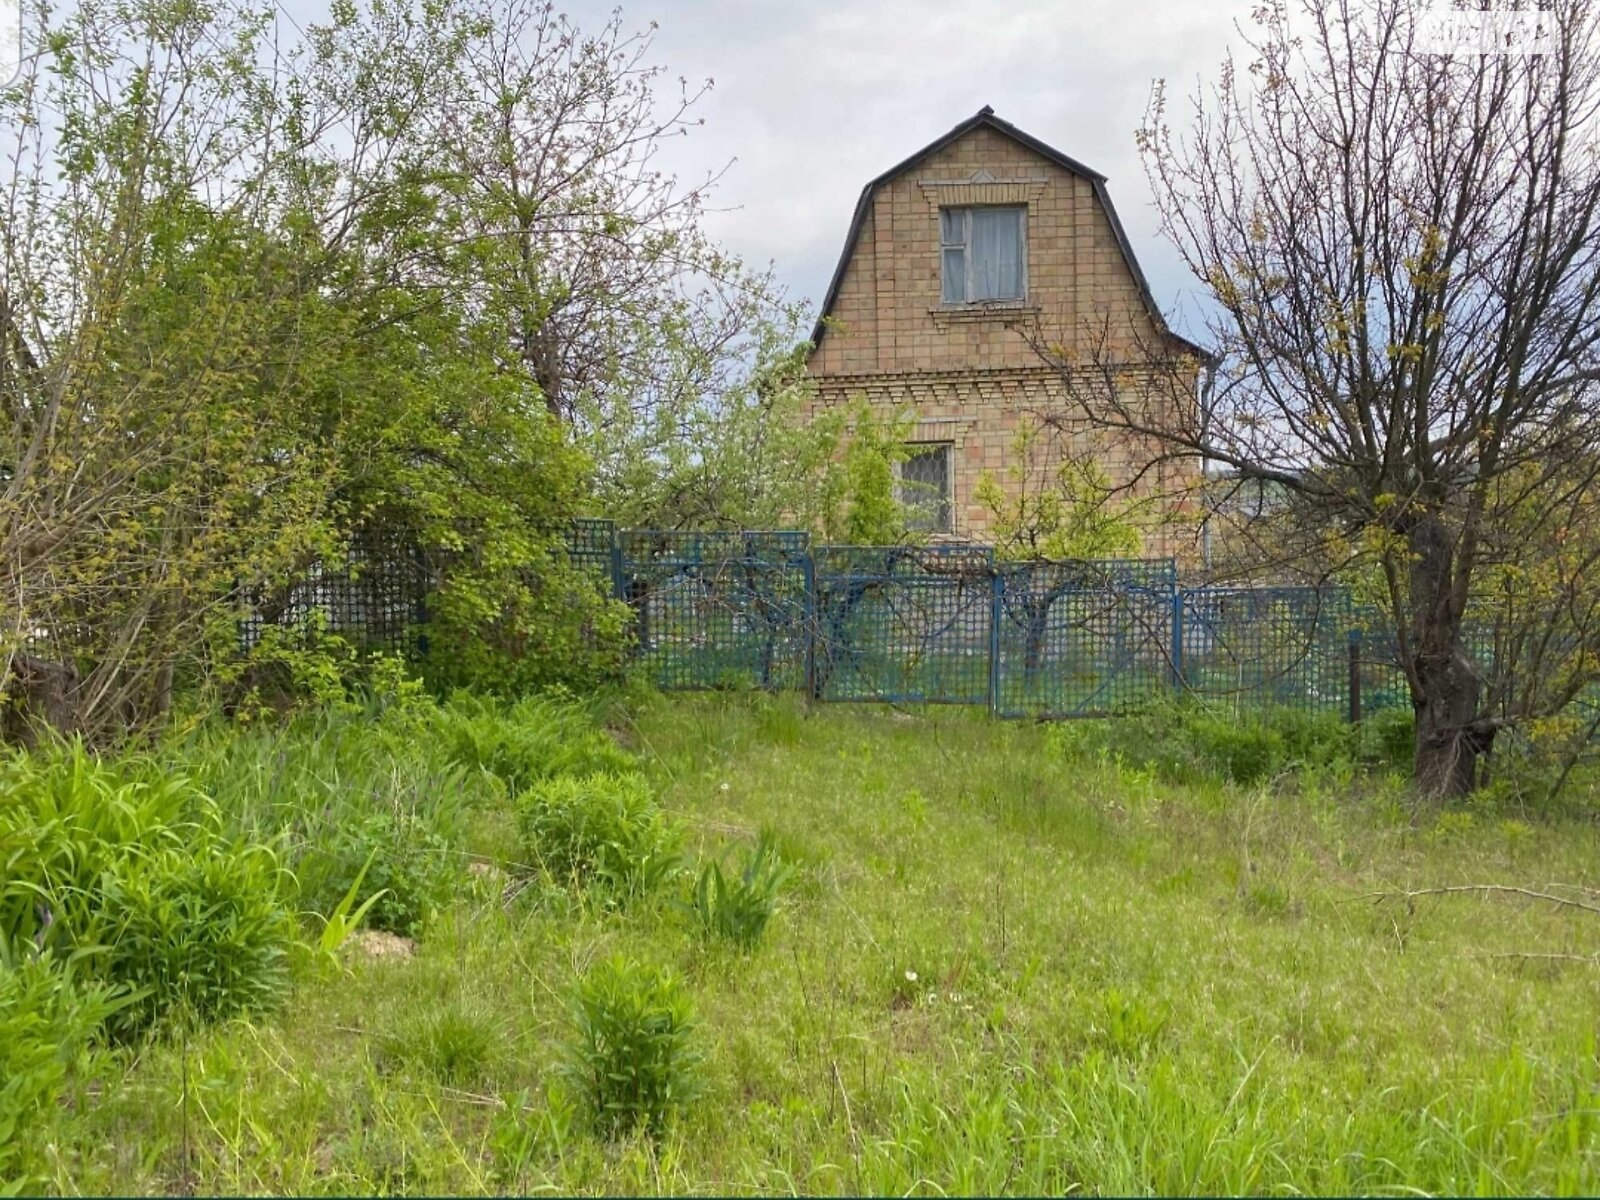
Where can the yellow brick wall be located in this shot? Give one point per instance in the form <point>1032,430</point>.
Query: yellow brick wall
<point>971,375</point>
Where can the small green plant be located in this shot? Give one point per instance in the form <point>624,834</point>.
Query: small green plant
<point>602,830</point>
<point>454,1043</point>
<point>205,931</point>
<point>738,906</point>
<point>411,865</point>
<point>46,1022</point>
<point>346,916</point>
<point>631,1054</point>
<point>1453,827</point>
<point>1125,1025</point>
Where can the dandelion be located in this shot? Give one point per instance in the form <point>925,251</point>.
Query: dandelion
<point>911,976</point>
<point>724,787</point>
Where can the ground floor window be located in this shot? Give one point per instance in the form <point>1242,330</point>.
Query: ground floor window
<point>925,486</point>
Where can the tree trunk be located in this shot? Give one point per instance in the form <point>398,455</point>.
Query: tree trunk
<point>1448,741</point>
<point>1449,738</point>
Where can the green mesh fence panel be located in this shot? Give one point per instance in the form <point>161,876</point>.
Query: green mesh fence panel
<point>1383,679</point>
<point>592,546</point>
<point>373,597</point>
<point>1082,638</point>
<point>719,609</point>
<point>903,623</point>
<point>1286,646</point>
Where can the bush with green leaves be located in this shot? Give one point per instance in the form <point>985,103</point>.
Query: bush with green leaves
<point>1189,741</point>
<point>631,1053</point>
<point>47,1019</point>
<point>737,906</point>
<point>203,932</point>
<point>125,865</point>
<point>604,830</point>
<point>1388,735</point>
<point>412,868</point>
<point>531,739</point>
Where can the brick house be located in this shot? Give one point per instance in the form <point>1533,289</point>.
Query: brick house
<point>960,261</point>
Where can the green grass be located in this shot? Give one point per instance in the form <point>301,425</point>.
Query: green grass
<point>1003,962</point>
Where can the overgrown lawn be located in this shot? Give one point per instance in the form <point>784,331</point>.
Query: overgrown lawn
<point>1005,958</point>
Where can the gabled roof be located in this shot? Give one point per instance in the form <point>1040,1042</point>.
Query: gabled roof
<point>985,117</point>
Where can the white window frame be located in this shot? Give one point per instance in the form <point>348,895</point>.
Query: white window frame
<point>947,504</point>
<point>965,246</point>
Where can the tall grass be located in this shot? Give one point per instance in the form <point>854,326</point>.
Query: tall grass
<point>1104,958</point>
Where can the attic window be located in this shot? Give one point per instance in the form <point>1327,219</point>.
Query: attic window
<point>982,253</point>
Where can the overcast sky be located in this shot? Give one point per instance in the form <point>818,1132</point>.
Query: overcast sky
<point>812,100</point>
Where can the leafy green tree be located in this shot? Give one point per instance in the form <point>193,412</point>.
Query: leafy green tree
<point>1056,507</point>
<point>860,505</point>
<point>233,347</point>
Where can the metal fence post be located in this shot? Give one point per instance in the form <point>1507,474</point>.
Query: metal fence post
<point>1177,638</point>
<point>810,609</point>
<point>1355,676</point>
<point>996,587</point>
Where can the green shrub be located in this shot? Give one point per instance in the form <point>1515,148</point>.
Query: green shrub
<point>125,864</point>
<point>603,830</point>
<point>67,819</point>
<point>46,1022</point>
<point>203,931</point>
<point>413,864</point>
<point>738,907</point>
<point>1243,751</point>
<point>631,1053</point>
<point>535,738</point>
<point>1388,735</point>
<point>1190,741</point>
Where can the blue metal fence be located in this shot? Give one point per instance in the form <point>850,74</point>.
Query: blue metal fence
<point>903,623</point>
<point>719,609</point>
<point>942,624</point>
<point>948,624</point>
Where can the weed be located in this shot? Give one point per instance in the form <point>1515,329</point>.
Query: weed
<point>535,738</point>
<point>67,819</point>
<point>455,1043</point>
<point>631,1054</point>
<point>410,864</point>
<point>738,906</point>
<point>602,830</point>
<point>346,916</point>
<point>46,1021</point>
<point>203,932</point>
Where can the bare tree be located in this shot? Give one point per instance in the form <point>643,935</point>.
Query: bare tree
<point>1403,248</point>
